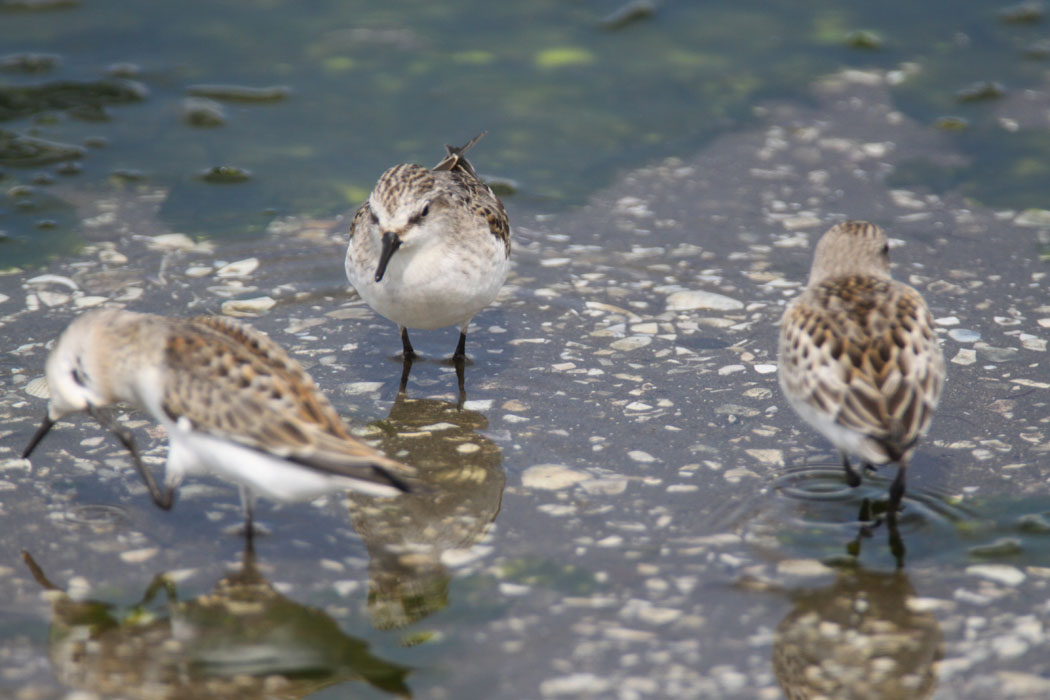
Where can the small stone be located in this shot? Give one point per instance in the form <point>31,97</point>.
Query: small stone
<point>1031,342</point>
<point>633,342</point>
<point>1033,218</point>
<point>551,477</point>
<point>358,388</point>
<point>88,302</point>
<point>604,487</point>
<point>52,299</point>
<point>248,307</point>
<point>240,268</point>
<point>171,241</point>
<point>1000,573</point>
<point>964,335</point>
<point>1002,547</point>
<point>202,112</point>
<point>991,353</point>
<point>640,456</point>
<point>981,91</point>
<point>54,279</point>
<point>1022,13</point>
<point>137,556</point>
<point>765,368</point>
<point>577,684</point>
<point>965,357</point>
<point>773,458</point>
<point>806,568</point>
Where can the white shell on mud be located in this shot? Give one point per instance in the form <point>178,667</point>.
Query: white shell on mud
<point>248,307</point>
<point>239,268</point>
<point>38,387</point>
<point>53,279</point>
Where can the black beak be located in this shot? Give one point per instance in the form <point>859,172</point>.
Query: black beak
<point>38,435</point>
<point>391,243</point>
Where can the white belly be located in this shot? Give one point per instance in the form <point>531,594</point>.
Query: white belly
<point>845,439</point>
<point>433,286</point>
<point>192,453</point>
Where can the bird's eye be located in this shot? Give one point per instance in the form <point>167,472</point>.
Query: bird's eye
<point>886,249</point>
<point>426,209</point>
<point>78,378</point>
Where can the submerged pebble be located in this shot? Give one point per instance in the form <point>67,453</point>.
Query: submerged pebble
<point>241,93</point>
<point>551,477</point>
<point>696,299</point>
<point>964,335</point>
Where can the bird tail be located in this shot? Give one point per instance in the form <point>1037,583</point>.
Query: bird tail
<point>455,160</point>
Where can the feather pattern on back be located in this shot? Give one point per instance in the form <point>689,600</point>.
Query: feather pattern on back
<point>231,381</point>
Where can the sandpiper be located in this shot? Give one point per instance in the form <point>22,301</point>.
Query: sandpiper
<point>431,247</point>
<point>232,401</point>
<point>858,355</point>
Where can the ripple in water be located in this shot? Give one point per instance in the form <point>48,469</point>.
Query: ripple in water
<point>99,517</point>
<point>810,512</point>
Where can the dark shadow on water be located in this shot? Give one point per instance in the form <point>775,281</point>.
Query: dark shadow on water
<point>242,640</point>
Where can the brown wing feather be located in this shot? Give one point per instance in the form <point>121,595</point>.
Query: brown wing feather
<point>873,360</point>
<point>361,217</point>
<point>232,381</point>
<point>479,197</point>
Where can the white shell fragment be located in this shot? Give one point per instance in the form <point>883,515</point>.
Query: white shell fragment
<point>1000,573</point>
<point>551,477</point>
<point>248,307</point>
<point>239,268</point>
<point>171,241</point>
<point>696,299</point>
<point>53,279</point>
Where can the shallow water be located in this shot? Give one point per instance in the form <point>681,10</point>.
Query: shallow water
<point>625,506</point>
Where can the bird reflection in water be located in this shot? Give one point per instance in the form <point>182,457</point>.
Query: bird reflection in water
<point>857,639</point>
<point>456,497</point>
<point>243,640</point>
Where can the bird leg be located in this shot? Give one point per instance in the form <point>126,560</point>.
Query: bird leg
<point>897,487</point>
<point>38,435</point>
<point>406,369</point>
<point>461,347</point>
<point>406,344</point>
<point>163,499</point>
<point>852,477</point>
<point>460,365</point>
<point>896,543</point>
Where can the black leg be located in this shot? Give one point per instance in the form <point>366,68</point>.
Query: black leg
<point>897,488</point>
<point>460,365</point>
<point>406,344</point>
<point>461,347</point>
<point>852,477</point>
<point>249,529</point>
<point>249,550</point>
<point>406,369</point>
<point>38,435</point>
<point>163,499</point>
<point>896,543</point>
<point>38,573</point>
